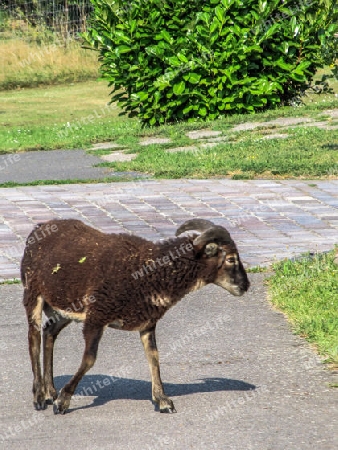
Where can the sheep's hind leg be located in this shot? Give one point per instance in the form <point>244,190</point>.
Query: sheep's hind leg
<point>51,328</point>
<point>149,343</point>
<point>92,337</point>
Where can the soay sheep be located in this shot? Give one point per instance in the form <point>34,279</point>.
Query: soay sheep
<point>71,271</point>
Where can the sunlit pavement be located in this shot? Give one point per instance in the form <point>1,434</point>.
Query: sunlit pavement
<point>269,220</point>
<point>239,378</point>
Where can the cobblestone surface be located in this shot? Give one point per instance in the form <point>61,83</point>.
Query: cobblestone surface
<point>269,220</point>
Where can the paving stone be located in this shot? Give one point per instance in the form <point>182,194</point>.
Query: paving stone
<point>276,136</point>
<point>188,148</point>
<point>202,134</point>
<point>268,219</point>
<point>281,122</point>
<point>218,139</point>
<point>323,124</point>
<point>155,140</point>
<point>209,144</point>
<point>118,156</point>
<point>106,145</point>
<point>331,112</point>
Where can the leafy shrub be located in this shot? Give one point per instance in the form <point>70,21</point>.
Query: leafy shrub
<point>171,60</point>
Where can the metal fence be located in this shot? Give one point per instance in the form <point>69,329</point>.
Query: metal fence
<point>64,17</point>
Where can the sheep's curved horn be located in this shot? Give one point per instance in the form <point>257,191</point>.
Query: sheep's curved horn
<point>209,232</point>
<point>195,224</point>
<point>216,234</point>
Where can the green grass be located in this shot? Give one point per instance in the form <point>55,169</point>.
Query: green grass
<point>13,281</point>
<point>123,178</point>
<point>68,116</point>
<point>306,290</point>
<point>258,269</point>
<point>28,63</point>
<point>77,115</point>
<point>306,153</point>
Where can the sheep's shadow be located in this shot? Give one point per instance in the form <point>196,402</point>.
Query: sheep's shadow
<point>330,146</point>
<point>105,388</point>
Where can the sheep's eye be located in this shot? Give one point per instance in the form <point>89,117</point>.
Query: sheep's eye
<point>231,260</point>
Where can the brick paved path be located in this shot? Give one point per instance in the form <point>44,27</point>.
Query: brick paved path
<point>268,219</point>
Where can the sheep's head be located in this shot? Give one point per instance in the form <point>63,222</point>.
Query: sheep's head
<point>215,243</point>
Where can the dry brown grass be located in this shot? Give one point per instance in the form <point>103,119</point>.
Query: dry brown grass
<point>27,64</point>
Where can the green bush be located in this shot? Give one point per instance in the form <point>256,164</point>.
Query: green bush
<point>170,60</point>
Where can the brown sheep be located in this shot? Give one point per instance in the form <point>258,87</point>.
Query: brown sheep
<point>71,271</point>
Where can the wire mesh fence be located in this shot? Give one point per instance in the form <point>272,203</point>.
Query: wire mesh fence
<point>40,43</point>
<point>64,17</point>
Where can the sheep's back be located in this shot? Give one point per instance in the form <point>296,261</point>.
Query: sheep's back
<point>73,262</point>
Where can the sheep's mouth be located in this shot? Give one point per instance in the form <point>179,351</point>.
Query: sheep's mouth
<point>238,292</point>
<point>235,290</point>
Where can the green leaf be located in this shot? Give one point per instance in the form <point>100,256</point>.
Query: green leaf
<point>182,57</point>
<point>215,24</point>
<point>283,65</point>
<point>133,25</point>
<point>174,61</point>
<point>220,13</point>
<point>153,50</point>
<point>142,96</point>
<point>227,3</point>
<point>293,24</point>
<point>164,35</point>
<point>204,17</point>
<point>285,47</point>
<point>187,109</point>
<point>194,78</point>
<point>203,111</point>
<point>122,49</point>
<point>179,88</point>
<point>270,31</point>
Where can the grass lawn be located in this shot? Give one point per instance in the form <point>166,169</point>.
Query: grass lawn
<point>307,292</point>
<point>53,117</point>
<point>77,115</point>
<point>307,153</point>
<point>27,63</point>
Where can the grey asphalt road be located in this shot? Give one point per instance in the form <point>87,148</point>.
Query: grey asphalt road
<point>239,378</point>
<point>51,165</point>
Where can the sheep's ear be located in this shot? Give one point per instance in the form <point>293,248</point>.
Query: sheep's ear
<point>211,249</point>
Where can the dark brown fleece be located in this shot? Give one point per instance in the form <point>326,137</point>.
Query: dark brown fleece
<point>79,268</point>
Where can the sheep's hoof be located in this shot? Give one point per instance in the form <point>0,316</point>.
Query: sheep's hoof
<point>51,396</point>
<point>40,405</point>
<point>61,404</point>
<point>57,409</point>
<point>168,410</point>
<point>167,406</point>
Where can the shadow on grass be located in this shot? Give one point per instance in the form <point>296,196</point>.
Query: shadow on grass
<point>105,388</point>
<point>330,146</point>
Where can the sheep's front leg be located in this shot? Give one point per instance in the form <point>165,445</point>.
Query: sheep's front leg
<point>92,335</point>
<point>149,343</point>
<point>34,305</point>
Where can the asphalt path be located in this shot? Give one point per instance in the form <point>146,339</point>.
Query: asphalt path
<point>51,165</point>
<point>239,379</point>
